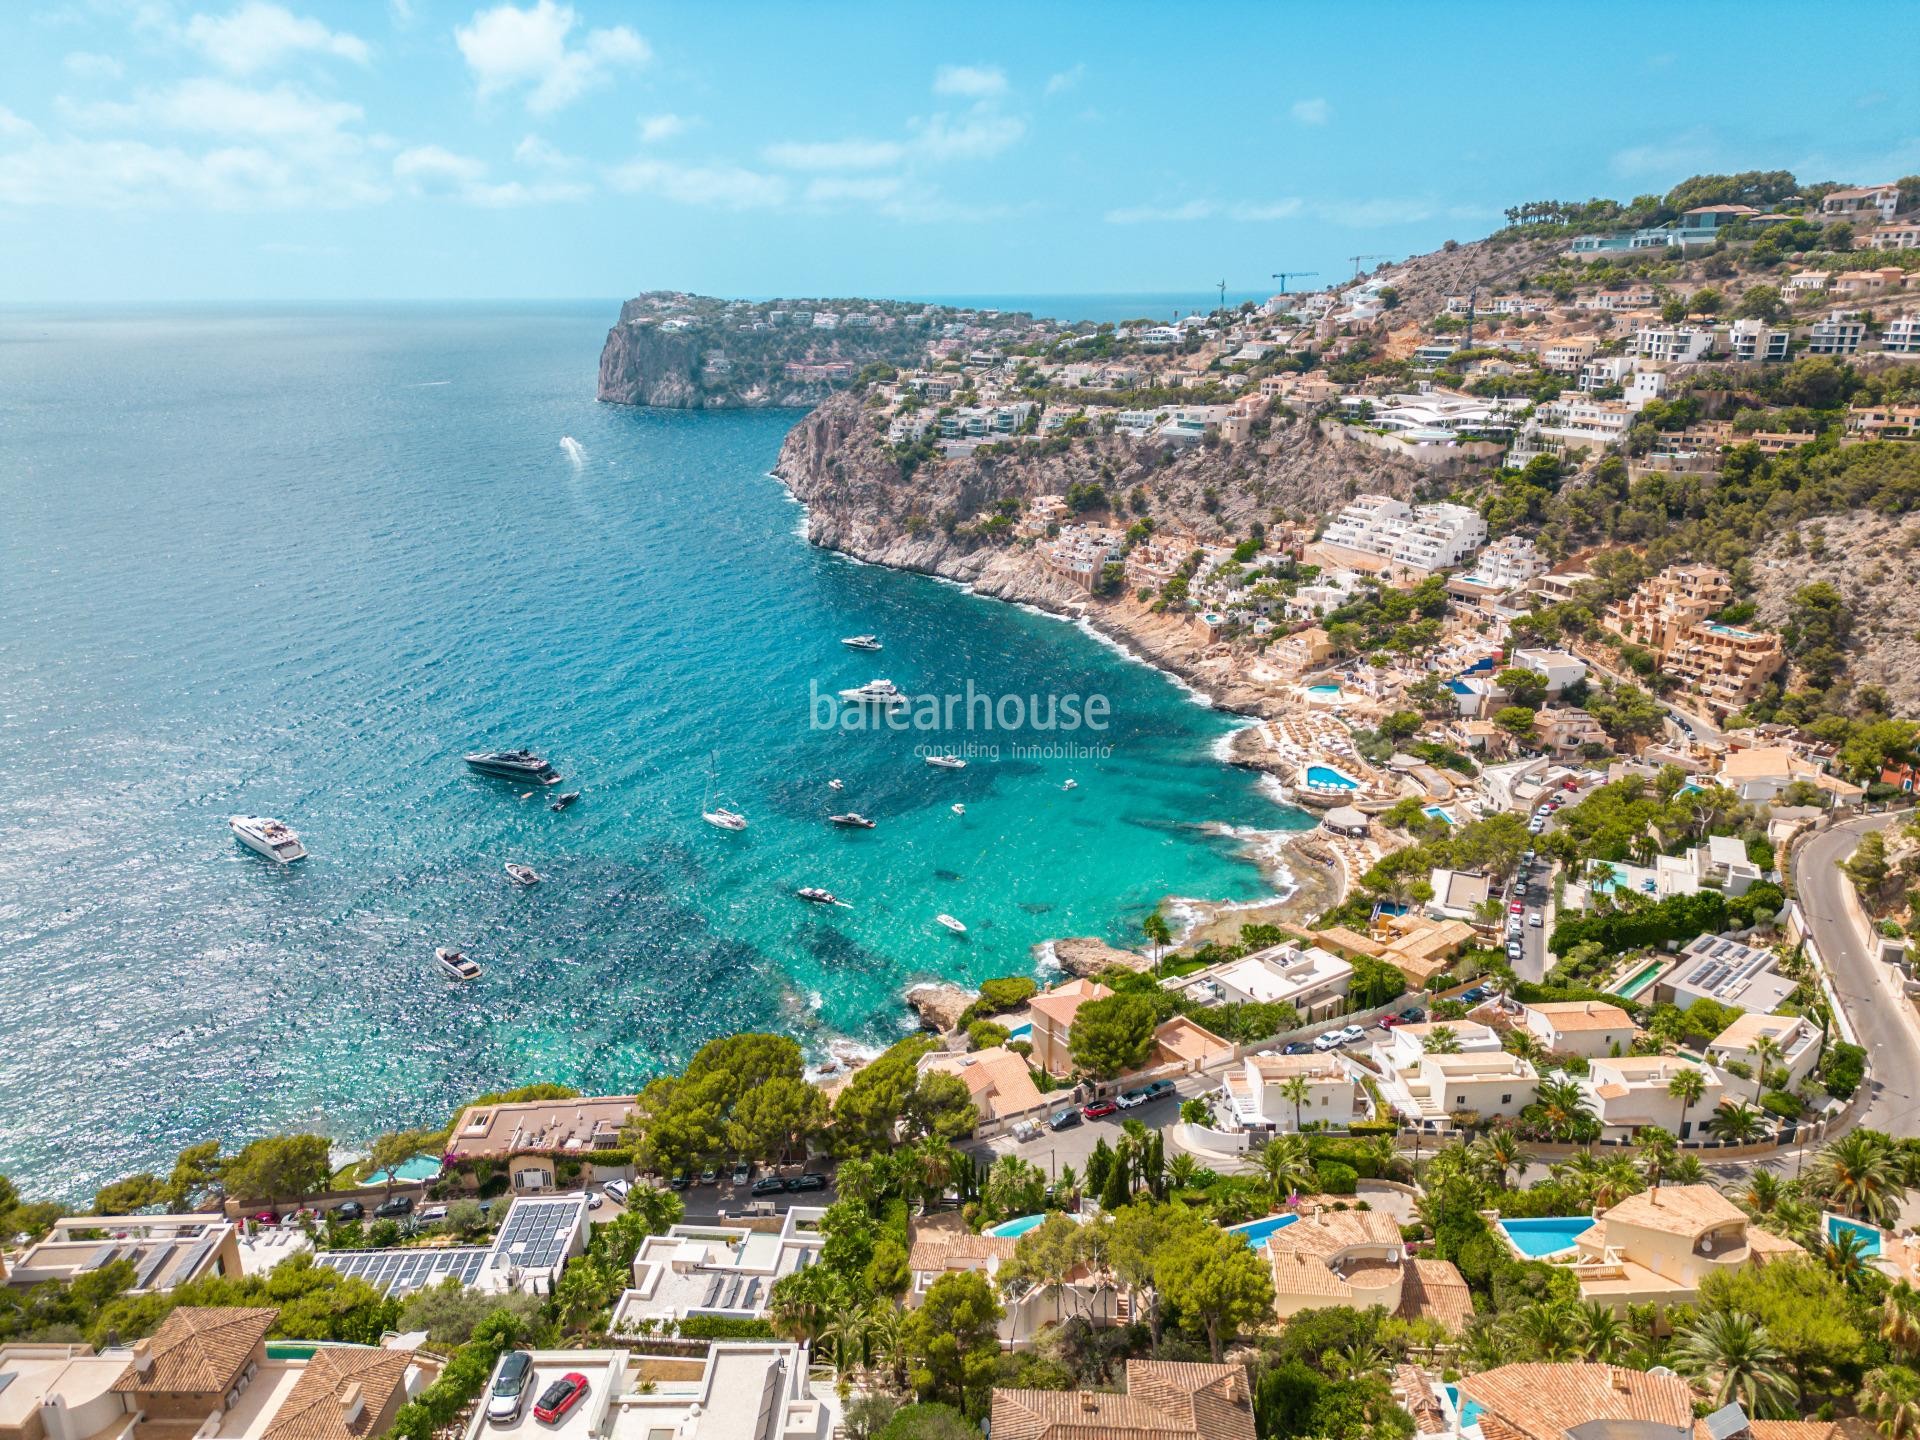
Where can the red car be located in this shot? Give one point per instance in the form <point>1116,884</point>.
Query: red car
<point>1099,1109</point>
<point>560,1397</point>
<point>1516,908</point>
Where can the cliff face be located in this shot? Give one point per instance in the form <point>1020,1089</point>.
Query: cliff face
<point>644,365</point>
<point>859,503</point>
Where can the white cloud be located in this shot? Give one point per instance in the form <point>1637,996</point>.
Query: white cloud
<point>15,127</point>
<point>1312,112</point>
<point>1064,80</point>
<point>507,48</point>
<point>434,171</point>
<point>835,154</point>
<point>977,82</point>
<point>258,36</point>
<point>842,189</point>
<point>655,128</point>
<point>978,136</point>
<point>1162,214</point>
<point>117,174</point>
<point>88,66</point>
<point>722,186</point>
<point>220,107</point>
<point>1672,158</point>
<point>536,152</point>
<point>1259,212</point>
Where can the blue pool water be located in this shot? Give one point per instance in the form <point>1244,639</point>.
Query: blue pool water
<point>420,1167</point>
<point>1255,1232</point>
<point>1459,687</point>
<point>1010,1229</point>
<point>1546,1234</point>
<point>1435,812</point>
<point>1325,775</point>
<point>294,562</point>
<point>1869,1235</point>
<point>1323,690</point>
<point>1468,1413</point>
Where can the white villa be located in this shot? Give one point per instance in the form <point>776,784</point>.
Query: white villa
<point>1631,1091</point>
<point>1796,1041</point>
<point>1308,978</point>
<point>715,1270</point>
<point>1256,1101</point>
<point>1590,1028</point>
<point>1428,1089</point>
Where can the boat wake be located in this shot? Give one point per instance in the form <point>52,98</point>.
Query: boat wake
<point>575,451</point>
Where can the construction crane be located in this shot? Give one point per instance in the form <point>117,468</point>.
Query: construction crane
<point>1221,285</point>
<point>1285,275</point>
<point>1358,258</point>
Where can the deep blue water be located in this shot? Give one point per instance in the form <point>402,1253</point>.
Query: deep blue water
<point>297,562</point>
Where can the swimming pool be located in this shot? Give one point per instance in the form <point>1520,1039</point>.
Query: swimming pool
<point>1009,1229</point>
<point>1434,812</point>
<point>1544,1235</point>
<point>1255,1232</point>
<point>1869,1234</point>
<point>1329,778</point>
<point>1467,1415</point>
<point>1460,687</point>
<point>1022,1031</point>
<point>291,1349</point>
<point>1631,990</point>
<point>1323,689</point>
<point>420,1167</point>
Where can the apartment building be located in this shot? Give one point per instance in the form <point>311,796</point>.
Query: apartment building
<point>1679,344</point>
<point>1843,332</point>
<point>1874,203</point>
<point>1509,563</point>
<point>1755,341</point>
<point>1080,553</point>
<point>1419,538</point>
<point>165,1251</point>
<point>1902,235</point>
<point>1882,422</point>
<point>1670,615</point>
<point>1902,335</point>
<point>1568,354</point>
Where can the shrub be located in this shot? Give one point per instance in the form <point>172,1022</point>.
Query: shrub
<point>1782,1103</point>
<point>1842,1068</point>
<point>724,1327</point>
<point>1331,1177</point>
<point>984,1035</point>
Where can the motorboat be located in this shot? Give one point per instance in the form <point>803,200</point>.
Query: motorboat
<point>513,765</point>
<point>1071,785</point>
<point>860,642</point>
<point>875,692</point>
<point>959,809</point>
<point>522,874</point>
<point>820,897</point>
<point>835,785</point>
<point>952,924</point>
<point>946,762</point>
<point>852,819</point>
<point>560,802</point>
<point>724,818</point>
<point>267,836</point>
<point>457,965</point>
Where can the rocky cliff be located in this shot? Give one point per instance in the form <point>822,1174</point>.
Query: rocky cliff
<point>859,502</point>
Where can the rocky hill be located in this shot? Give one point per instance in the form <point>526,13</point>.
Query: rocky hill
<point>1497,263</point>
<point>1869,558</point>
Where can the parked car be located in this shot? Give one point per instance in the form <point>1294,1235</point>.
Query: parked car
<point>1098,1109</point>
<point>595,1199</point>
<point>1387,1022</point>
<point>618,1190</point>
<point>710,1176</point>
<point>808,1181</point>
<point>1297,1047</point>
<point>769,1185</point>
<point>511,1382</point>
<point>1064,1119</point>
<point>1353,1034</point>
<point>560,1397</point>
<point>1159,1088</point>
<point>1413,1015</point>
<point>1475,995</point>
<point>396,1208</point>
<point>680,1180</point>
<point>431,1214</point>
<point>1518,907</point>
<point>1328,1041</point>
<point>742,1173</point>
<point>1130,1099</point>
<point>1534,920</point>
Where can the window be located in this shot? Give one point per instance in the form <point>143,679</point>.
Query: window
<point>1506,1099</point>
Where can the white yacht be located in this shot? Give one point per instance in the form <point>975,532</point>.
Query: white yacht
<point>946,762</point>
<point>456,965</point>
<point>875,692</point>
<point>724,818</point>
<point>952,924</point>
<point>268,837</point>
<point>860,642</point>
<point>959,809</point>
<point>522,874</point>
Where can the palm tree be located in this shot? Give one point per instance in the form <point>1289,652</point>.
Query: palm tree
<point>1498,1154</point>
<point>1561,1106</point>
<point>1066,1188</point>
<point>1765,1050</point>
<point>1855,1174</point>
<point>1686,1170</point>
<point>1545,1330</point>
<point>1737,1122</point>
<point>847,1334</point>
<point>1154,927</point>
<point>1733,1354</point>
<point>886,1338</point>
<point>1285,1164</point>
<point>1900,1320</point>
<point>1181,1169</point>
<point>1295,1090</point>
<point>934,1164</point>
<point>1601,1334</point>
<point>1846,1255</point>
<point>1687,1087</point>
<point>1891,1395</point>
<point>1526,1045</point>
<point>1656,1150</point>
<point>1762,1191</point>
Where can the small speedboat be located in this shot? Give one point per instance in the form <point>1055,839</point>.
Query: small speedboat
<point>860,642</point>
<point>522,874</point>
<point>1071,785</point>
<point>835,785</point>
<point>952,924</point>
<point>946,762</point>
<point>959,809</point>
<point>819,896</point>
<point>725,819</point>
<point>562,801</point>
<point>457,965</point>
<point>852,819</point>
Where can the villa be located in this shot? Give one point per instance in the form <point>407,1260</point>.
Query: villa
<point>1052,1012</point>
<point>936,1249</point>
<point>1556,667</point>
<point>1256,1101</point>
<point>1590,1028</point>
<point>1796,1042</point>
<point>717,1270</point>
<point>1357,1258</point>
<point>1578,1401</point>
<point>1628,1092</point>
<point>1418,947</point>
<point>1713,967</point>
<point>1458,894</point>
<point>1658,1246</point>
<point>998,1081</point>
<point>1719,864</point>
<point>1306,977</point>
<point>1762,772</point>
<point>527,1138</point>
<point>534,1243</point>
<point>1162,1401</point>
<point>165,1250</point>
<point>1429,1089</point>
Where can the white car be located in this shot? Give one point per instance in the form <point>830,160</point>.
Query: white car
<point>1534,920</point>
<point>618,1190</point>
<point>1353,1034</point>
<point>1332,1040</point>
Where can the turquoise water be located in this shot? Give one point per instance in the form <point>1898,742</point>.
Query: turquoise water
<point>1469,1412</point>
<point>296,563</point>
<point>1255,1232</point>
<point>1869,1235</point>
<point>1323,689</point>
<point>1436,812</point>
<point>1460,687</point>
<point>1322,775</point>
<point>421,1167</point>
<point>1641,981</point>
<point>1010,1229</point>
<point>1546,1234</point>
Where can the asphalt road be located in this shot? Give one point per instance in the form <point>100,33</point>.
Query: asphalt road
<point>1870,992</point>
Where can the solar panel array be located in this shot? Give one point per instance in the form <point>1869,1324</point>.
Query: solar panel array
<point>407,1270</point>
<point>536,1234</point>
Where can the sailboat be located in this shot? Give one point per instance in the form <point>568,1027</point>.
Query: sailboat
<point>952,924</point>
<point>718,815</point>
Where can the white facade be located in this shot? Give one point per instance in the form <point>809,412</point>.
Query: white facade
<point>1580,1027</point>
<point>1630,1091</point>
<point>1755,340</point>
<point>1796,1040</point>
<point>1508,564</point>
<point>1841,333</point>
<point>1305,977</point>
<point>1675,344</point>
<point>1426,537</point>
<point>1902,335</point>
<point>1556,667</point>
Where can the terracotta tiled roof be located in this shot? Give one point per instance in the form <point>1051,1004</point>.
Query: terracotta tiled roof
<point>315,1410</point>
<point>199,1351</point>
<point>1777,1430</point>
<point>1163,1401</point>
<point>1677,1210</point>
<point>1435,1290</point>
<point>1331,1231</point>
<point>1570,1015</point>
<point>1415,1394</point>
<point>955,1249</point>
<point>1063,1002</point>
<point>1545,1402</point>
<point>1295,1273</point>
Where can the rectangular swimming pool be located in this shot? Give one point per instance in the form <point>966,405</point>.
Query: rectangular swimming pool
<point>1869,1234</point>
<point>1255,1232</point>
<point>1540,1236</point>
<point>1631,990</point>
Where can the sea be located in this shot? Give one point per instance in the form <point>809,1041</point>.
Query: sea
<point>297,561</point>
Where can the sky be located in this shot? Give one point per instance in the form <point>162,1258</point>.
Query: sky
<point>236,150</point>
